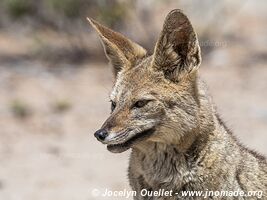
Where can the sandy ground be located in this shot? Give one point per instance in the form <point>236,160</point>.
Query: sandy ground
<point>51,155</point>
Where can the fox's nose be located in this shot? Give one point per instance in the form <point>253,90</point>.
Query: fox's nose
<point>101,134</point>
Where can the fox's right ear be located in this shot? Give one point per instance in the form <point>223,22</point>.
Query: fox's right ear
<point>177,52</point>
<point>121,52</point>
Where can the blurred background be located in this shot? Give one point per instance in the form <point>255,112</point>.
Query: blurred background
<point>55,82</point>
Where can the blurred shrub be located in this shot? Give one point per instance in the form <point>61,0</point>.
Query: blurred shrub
<point>67,18</point>
<point>54,12</point>
<point>68,8</point>
<point>18,8</point>
<point>112,12</point>
<point>61,106</point>
<point>20,109</point>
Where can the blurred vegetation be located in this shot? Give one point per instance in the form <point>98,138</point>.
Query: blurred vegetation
<point>61,106</point>
<point>68,8</point>
<point>18,8</point>
<point>58,29</point>
<point>20,109</point>
<point>113,12</point>
<point>67,20</point>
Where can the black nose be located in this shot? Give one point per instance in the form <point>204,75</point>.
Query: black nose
<point>101,134</point>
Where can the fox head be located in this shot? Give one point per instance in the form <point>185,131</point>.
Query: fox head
<point>155,97</point>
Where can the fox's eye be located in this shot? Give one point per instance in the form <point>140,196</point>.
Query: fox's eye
<point>113,106</point>
<point>140,104</point>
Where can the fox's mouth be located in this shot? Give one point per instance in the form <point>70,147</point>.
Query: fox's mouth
<point>121,147</point>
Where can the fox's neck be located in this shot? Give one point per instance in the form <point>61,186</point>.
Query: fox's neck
<point>173,166</point>
<point>165,166</point>
<point>187,150</point>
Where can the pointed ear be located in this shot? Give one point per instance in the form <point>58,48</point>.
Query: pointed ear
<point>177,51</point>
<point>120,51</point>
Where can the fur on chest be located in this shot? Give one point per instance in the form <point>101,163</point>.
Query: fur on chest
<point>166,168</point>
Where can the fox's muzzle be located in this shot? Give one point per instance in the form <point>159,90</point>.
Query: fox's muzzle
<point>101,134</point>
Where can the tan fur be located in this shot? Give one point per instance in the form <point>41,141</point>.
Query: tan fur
<point>120,50</point>
<point>162,111</point>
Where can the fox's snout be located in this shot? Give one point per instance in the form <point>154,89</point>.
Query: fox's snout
<point>109,130</point>
<point>101,134</point>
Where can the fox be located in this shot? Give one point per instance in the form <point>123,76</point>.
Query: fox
<point>162,112</point>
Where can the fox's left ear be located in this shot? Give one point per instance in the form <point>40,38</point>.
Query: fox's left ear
<point>177,52</point>
<point>120,51</point>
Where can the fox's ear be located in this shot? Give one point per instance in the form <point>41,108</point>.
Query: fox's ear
<point>177,51</point>
<point>120,51</point>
